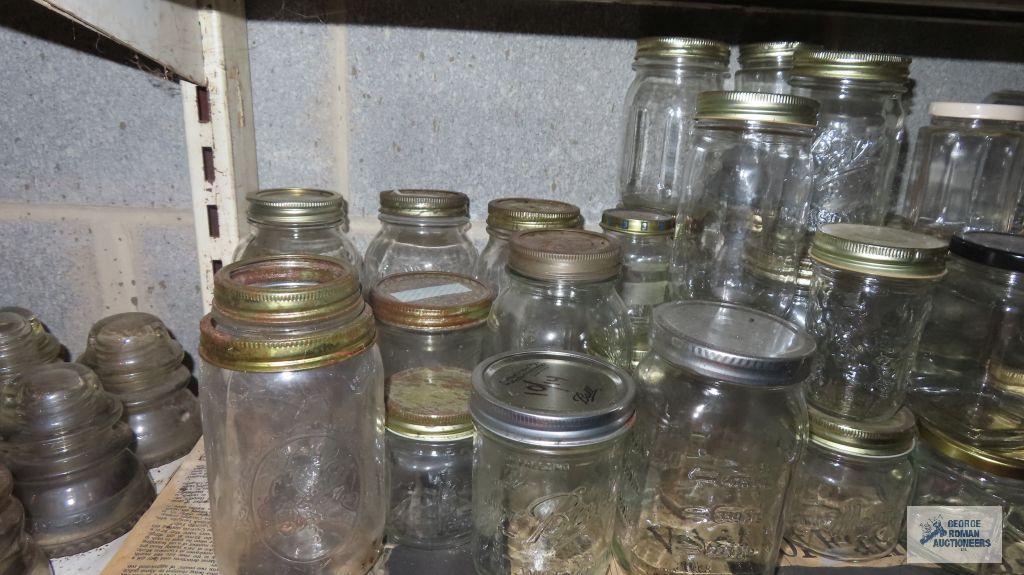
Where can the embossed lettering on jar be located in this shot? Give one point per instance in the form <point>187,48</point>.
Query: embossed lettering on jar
<point>764,67</point>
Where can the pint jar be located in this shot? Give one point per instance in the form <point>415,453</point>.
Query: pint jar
<point>660,107</point>
<point>721,423</point>
<point>548,456</point>
<point>870,299</point>
<point>292,396</point>
<point>764,67</point>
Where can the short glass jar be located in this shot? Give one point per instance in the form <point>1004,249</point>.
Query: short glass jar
<point>509,215</point>
<point>292,395</point>
<point>551,428</point>
<point>660,106</point>
<point>421,230</point>
<point>562,296</point>
<point>850,491</point>
<point>741,228</point>
<point>721,423</point>
<point>645,237</point>
<point>870,299</point>
<point>24,343</point>
<point>764,67</point>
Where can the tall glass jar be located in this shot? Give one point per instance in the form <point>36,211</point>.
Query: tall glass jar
<point>850,491</point>
<point>968,171</point>
<point>292,395</point>
<point>741,224</point>
<point>562,296</point>
<point>764,67</point>
<point>24,343</point>
<point>660,107</point>
<point>646,240</point>
<point>870,299</point>
<point>551,428</point>
<point>421,230</point>
<point>509,215</point>
<point>721,423</point>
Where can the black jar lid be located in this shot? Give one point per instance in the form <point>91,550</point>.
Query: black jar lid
<point>1003,251</point>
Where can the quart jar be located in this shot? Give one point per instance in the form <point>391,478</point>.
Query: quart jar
<point>968,170</point>
<point>298,221</point>
<point>765,66</point>
<point>850,490</point>
<point>645,237</point>
<point>721,423</point>
<point>741,228</point>
<point>660,106</point>
<point>24,343</point>
<point>19,554</point>
<point>551,428</point>
<point>562,296</point>
<point>870,299</point>
<point>421,230</point>
<point>509,215</point>
<point>292,396</point>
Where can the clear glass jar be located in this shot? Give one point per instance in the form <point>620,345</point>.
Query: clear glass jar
<point>547,462</point>
<point>421,230</point>
<point>562,296</point>
<point>292,396</point>
<point>19,554</point>
<point>660,105</point>
<point>742,223</point>
<point>721,423</point>
<point>24,343</point>
<point>968,170</point>
<point>870,299</point>
<point>646,240</point>
<point>764,67</point>
<point>850,490</point>
<point>509,215</point>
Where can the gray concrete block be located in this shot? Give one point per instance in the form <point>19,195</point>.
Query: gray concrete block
<point>168,280</point>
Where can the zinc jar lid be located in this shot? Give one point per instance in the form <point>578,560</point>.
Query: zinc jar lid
<point>638,222</point>
<point>1003,251</point>
<point>879,251</point>
<point>771,54</point>
<point>1002,112</point>
<point>1004,464</point>
<point>424,203</point>
<point>732,343</point>
<point>296,206</point>
<point>431,301</point>
<point>570,255</point>
<point>851,66</point>
<point>552,398</point>
<point>758,107</point>
<point>672,47</point>
<point>882,439</point>
<point>430,403</point>
<point>518,214</point>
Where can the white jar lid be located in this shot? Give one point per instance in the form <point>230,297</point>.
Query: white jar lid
<point>977,111</point>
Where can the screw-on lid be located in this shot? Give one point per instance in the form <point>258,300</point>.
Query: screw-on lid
<point>433,301</point>
<point>851,66</point>
<point>882,439</point>
<point>519,214</point>
<point>1001,112</point>
<point>1002,463</point>
<point>638,222</point>
<point>296,207</point>
<point>571,255</point>
<point>757,107</point>
<point>879,251</point>
<point>665,47</point>
<point>430,403</point>
<point>732,343</point>
<point>1003,251</point>
<point>24,342</point>
<point>424,203</point>
<point>771,54</point>
<point>552,398</point>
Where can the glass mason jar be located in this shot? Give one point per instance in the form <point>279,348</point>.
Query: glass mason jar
<point>24,343</point>
<point>850,490</point>
<point>562,296</point>
<point>721,423</point>
<point>70,454</point>
<point>660,106</point>
<point>968,171</point>
<point>298,221</point>
<point>764,67</point>
<point>551,428</point>
<point>741,224</point>
<point>646,240</point>
<point>421,230</point>
<point>292,396</point>
<point>509,215</point>
<point>19,554</point>
<point>955,474</point>
<point>870,299</point>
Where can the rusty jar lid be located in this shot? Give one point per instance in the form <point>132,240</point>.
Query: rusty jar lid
<point>433,301</point>
<point>430,403</point>
<point>569,255</point>
<point>424,204</point>
<point>519,214</point>
<point>296,207</point>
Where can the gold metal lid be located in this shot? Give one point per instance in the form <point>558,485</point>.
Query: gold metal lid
<point>667,47</point>
<point>851,66</point>
<point>283,298</point>
<point>1007,378</point>
<point>431,301</point>
<point>424,203</point>
<point>764,55</point>
<point>430,403</point>
<point>882,439</point>
<point>1004,464</point>
<point>879,251</point>
<point>519,214</point>
<point>638,222</point>
<point>296,207</point>
<point>757,107</point>
<point>571,255</point>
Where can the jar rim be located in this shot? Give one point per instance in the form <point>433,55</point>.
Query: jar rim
<point>431,301</point>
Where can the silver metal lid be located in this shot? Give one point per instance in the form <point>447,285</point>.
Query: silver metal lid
<point>296,207</point>
<point>733,343</point>
<point>552,398</point>
<point>424,204</point>
<point>567,255</point>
